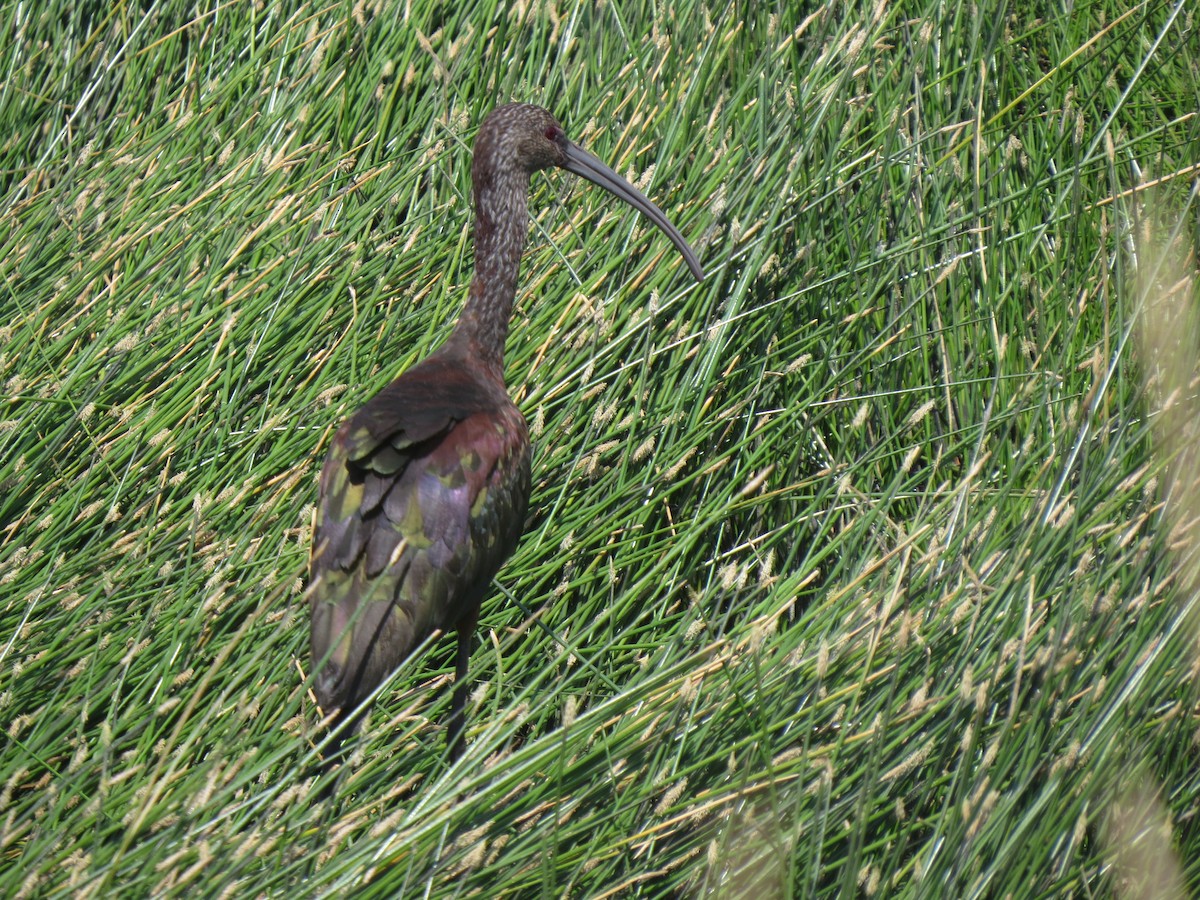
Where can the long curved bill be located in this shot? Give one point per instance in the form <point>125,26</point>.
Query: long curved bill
<point>587,166</point>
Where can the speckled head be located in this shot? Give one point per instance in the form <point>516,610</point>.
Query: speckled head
<point>518,136</point>
<point>518,139</point>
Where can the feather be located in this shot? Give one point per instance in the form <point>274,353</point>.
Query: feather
<point>424,493</point>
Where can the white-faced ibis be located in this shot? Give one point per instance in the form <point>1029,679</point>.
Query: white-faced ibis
<point>424,491</point>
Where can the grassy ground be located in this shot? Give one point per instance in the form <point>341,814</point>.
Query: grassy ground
<point>866,566</point>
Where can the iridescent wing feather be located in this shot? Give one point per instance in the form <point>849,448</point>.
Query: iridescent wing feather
<point>423,496</point>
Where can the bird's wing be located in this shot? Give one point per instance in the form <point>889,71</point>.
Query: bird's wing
<point>423,496</point>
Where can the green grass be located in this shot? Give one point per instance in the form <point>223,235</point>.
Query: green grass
<point>866,566</point>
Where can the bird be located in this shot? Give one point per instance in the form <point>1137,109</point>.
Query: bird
<point>424,490</point>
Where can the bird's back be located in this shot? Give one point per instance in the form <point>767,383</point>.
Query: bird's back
<point>423,497</point>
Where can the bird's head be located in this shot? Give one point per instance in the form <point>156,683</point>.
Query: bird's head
<point>518,139</point>
<point>519,136</point>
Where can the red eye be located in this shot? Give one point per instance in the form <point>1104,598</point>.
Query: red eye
<point>554,133</point>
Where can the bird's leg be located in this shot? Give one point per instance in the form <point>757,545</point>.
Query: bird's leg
<point>329,767</point>
<point>458,709</point>
<point>344,729</point>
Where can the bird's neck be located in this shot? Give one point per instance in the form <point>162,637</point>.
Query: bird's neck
<point>501,221</point>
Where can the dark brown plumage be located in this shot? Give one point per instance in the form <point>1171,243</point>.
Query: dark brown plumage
<point>424,491</point>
